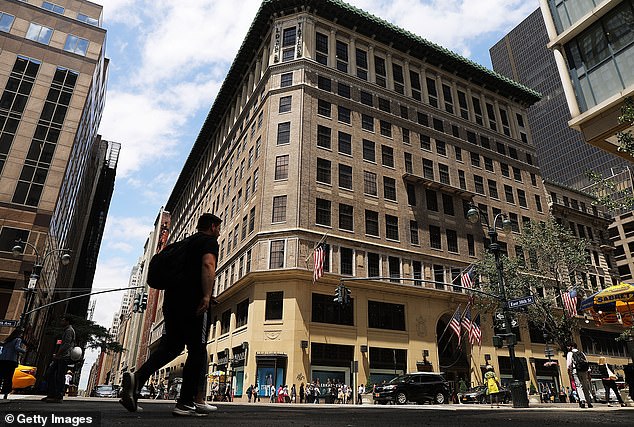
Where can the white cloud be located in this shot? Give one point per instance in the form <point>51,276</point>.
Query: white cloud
<point>129,229</point>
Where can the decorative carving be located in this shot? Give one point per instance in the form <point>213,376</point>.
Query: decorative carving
<point>272,335</point>
<point>299,40</point>
<point>300,377</point>
<point>421,326</point>
<point>276,47</point>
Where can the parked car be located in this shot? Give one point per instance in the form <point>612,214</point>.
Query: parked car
<point>105,390</point>
<point>478,394</point>
<point>144,393</point>
<point>24,377</point>
<point>419,387</point>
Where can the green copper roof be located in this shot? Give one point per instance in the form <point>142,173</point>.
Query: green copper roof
<point>360,22</point>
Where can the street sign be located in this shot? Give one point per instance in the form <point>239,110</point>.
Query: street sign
<point>9,323</point>
<point>500,321</point>
<point>521,302</point>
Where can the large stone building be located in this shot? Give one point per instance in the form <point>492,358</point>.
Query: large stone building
<point>52,75</point>
<point>593,45</point>
<point>335,125</point>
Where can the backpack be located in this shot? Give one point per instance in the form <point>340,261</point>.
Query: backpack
<point>580,361</point>
<point>168,268</point>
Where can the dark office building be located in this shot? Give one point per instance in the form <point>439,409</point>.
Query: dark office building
<point>563,154</point>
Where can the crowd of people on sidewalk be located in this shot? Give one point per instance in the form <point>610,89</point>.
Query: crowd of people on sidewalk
<point>312,392</point>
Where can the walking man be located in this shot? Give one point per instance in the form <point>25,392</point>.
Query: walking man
<point>185,309</point>
<point>56,372</point>
<point>579,372</point>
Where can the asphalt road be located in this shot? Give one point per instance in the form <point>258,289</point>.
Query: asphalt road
<point>107,412</point>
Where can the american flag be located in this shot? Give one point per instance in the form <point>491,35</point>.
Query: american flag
<point>467,278</point>
<point>318,256</point>
<point>454,324</point>
<point>466,319</point>
<point>569,299</point>
<point>475,333</point>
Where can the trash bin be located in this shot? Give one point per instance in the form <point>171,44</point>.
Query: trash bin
<point>518,394</point>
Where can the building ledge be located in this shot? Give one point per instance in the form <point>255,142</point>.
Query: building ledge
<point>436,185</point>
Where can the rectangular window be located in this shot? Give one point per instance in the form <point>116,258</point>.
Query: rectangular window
<point>446,91</point>
<point>414,79</point>
<point>447,204</point>
<point>405,133</point>
<point>505,121</point>
<point>399,82</point>
<point>242,312</point>
<point>369,183</point>
<point>288,43</point>
<point>521,198</point>
<point>413,232</point>
<point>322,212</point>
<point>323,171</point>
<point>477,110</point>
<point>76,45</point>
<point>417,270</point>
<point>441,148</point>
<point>346,217</point>
<point>345,176</point>
<point>538,203</point>
<point>323,136</point>
<point>488,164</point>
<point>345,143</point>
<point>225,322</point>
<point>39,33</point>
<point>411,194</point>
<point>409,167</point>
<point>346,257</point>
<point>462,181</point>
<point>379,71</point>
<point>384,104</point>
<point>251,220</point>
<point>491,113</point>
<point>281,167</point>
<point>425,142</point>
<point>505,170</point>
<point>277,254</point>
<point>471,244</point>
<point>325,310</point>
<point>371,223</point>
<point>321,48</point>
<point>374,263</point>
<point>383,315</point>
<point>274,305</point>
<point>475,160</point>
<point>367,122</point>
<point>6,21</point>
<point>387,156</point>
<point>517,174</point>
<point>428,169</point>
<point>493,189</point>
<point>452,241</point>
<point>422,119</point>
<point>434,237</point>
<point>389,188</point>
<point>404,112</point>
<point>362,64</point>
<point>432,92</point>
<point>53,7</point>
<point>462,102</point>
<point>342,56</point>
<point>366,98</point>
<point>508,193</point>
<point>343,114</point>
<point>443,171</point>
<point>432,200</point>
<point>439,125</point>
<point>286,80</point>
<point>284,133</point>
<point>323,108</point>
<point>368,151</point>
<point>324,83</point>
<point>479,184</point>
<point>394,266</point>
<point>386,128</point>
<point>343,90</point>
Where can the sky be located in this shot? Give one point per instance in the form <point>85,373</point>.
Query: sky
<point>168,59</point>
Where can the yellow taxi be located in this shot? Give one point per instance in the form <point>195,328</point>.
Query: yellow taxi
<point>24,377</point>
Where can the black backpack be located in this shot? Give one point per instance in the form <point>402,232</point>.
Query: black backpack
<point>580,361</point>
<point>168,268</point>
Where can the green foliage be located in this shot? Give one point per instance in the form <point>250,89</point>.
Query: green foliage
<point>626,139</point>
<point>554,255</point>
<point>605,191</point>
<point>89,335</point>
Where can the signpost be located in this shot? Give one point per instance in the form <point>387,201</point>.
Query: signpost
<point>521,302</point>
<point>9,323</point>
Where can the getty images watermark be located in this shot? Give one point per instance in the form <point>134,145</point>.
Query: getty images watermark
<point>57,419</point>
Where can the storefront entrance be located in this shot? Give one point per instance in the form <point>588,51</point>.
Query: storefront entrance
<point>452,357</point>
<point>270,372</point>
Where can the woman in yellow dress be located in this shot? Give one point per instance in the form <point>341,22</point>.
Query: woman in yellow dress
<point>493,385</point>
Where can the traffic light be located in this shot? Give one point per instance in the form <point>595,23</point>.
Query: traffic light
<point>137,303</point>
<point>339,294</point>
<point>498,341</point>
<point>346,295</point>
<point>143,304</point>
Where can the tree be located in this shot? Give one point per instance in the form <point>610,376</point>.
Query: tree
<point>89,335</point>
<point>555,258</point>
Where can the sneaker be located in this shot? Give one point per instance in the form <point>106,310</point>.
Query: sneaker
<point>623,405</point>
<point>582,404</point>
<point>204,408</point>
<point>186,410</point>
<point>128,396</point>
<point>590,405</point>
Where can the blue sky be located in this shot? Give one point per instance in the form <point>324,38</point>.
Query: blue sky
<point>168,58</point>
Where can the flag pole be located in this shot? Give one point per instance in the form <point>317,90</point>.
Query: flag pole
<point>323,238</point>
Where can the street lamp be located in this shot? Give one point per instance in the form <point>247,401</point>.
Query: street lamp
<point>518,386</point>
<point>18,250</point>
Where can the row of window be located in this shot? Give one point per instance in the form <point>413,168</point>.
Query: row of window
<point>43,34</point>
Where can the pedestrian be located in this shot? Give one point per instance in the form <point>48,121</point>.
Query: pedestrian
<point>493,385</point>
<point>256,392</point>
<point>579,371</point>
<point>249,392</point>
<point>293,394</point>
<point>317,392</point>
<point>562,394</point>
<point>59,365</point>
<point>360,392</point>
<point>301,393</point>
<point>12,348</point>
<point>68,378</point>
<point>608,378</point>
<point>185,313</point>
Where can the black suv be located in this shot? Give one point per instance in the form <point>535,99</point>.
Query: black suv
<point>419,387</point>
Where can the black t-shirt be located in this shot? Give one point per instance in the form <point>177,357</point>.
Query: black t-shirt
<point>185,297</point>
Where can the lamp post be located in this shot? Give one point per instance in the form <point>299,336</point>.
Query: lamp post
<point>18,250</point>
<point>518,385</point>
